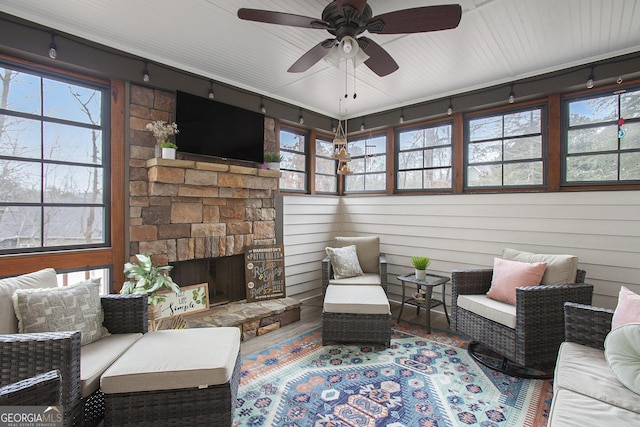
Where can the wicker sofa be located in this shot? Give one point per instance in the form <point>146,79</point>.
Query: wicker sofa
<point>586,392</point>
<point>24,357</point>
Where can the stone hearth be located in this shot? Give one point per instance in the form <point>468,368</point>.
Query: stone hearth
<point>253,318</point>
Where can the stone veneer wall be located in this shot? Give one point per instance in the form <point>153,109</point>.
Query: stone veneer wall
<point>181,210</point>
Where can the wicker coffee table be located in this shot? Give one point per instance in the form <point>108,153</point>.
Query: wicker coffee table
<point>431,281</point>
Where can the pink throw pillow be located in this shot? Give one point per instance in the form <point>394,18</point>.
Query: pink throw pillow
<point>627,310</point>
<point>509,275</point>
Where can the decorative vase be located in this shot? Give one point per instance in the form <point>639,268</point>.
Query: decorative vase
<point>273,166</point>
<point>169,153</point>
<point>421,274</point>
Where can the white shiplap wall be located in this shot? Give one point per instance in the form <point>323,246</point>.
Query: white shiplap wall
<point>468,231</point>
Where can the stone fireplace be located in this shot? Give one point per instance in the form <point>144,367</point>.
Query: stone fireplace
<point>196,212</point>
<point>199,215</point>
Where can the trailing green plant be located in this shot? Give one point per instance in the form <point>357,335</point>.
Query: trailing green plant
<point>272,157</point>
<point>146,278</point>
<point>168,144</point>
<point>420,263</point>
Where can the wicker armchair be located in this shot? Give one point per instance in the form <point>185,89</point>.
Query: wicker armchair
<point>27,355</point>
<point>358,326</point>
<point>40,390</point>
<point>539,329</point>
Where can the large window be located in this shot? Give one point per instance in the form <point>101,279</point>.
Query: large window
<point>53,162</point>
<point>602,138</point>
<point>424,157</point>
<point>293,147</point>
<point>326,178</point>
<point>368,163</point>
<point>506,150</point>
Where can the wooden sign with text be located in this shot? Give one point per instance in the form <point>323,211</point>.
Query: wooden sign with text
<point>264,272</point>
<point>191,299</point>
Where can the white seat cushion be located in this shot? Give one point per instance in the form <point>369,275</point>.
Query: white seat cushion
<point>96,357</point>
<point>584,370</point>
<point>175,359</point>
<point>356,299</point>
<point>498,311</point>
<point>365,279</point>
<point>571,409</point>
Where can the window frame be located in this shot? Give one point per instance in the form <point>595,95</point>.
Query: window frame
<point>105,164</point>
<point>564,137</point>
<point>544,155</point>
<point>334,176</point>
<point>352,140</point>
<point>284,170</point>
<point>396,152</point>
<point>111,257</point>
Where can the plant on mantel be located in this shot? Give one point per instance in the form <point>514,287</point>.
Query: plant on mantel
<point>272,159</point>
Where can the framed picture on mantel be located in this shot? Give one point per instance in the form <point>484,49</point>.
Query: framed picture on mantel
<point>264,272</point>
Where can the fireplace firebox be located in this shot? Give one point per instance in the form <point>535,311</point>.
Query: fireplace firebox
<point>225,276</point>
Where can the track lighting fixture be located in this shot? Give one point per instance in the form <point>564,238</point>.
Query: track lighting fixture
<point>301,118</point>
<point>512,97</point>
<point>53,49</point>
<point>590,80</point>
<point>450,108</point>
<point>145,74</point>
<point>212,95</point>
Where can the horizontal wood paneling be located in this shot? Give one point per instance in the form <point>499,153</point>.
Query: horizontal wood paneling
<point>308,224</point>
<point>468,231</point>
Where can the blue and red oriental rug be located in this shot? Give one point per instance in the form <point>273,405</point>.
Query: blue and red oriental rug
<point>421,380</point>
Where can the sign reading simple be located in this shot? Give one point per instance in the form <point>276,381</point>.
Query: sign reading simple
<point>264,272</point>
<point>190,299</point>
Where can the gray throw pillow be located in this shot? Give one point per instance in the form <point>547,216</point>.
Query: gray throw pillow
<point>70,308</point>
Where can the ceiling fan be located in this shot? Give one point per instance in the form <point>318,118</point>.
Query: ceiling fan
<point>347,19</point>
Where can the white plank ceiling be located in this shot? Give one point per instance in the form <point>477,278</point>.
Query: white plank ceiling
<point>497,41</point>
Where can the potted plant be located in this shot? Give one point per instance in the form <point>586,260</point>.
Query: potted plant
<point>168,150</point>
<point>420,264</point>
<point>272,159</point>
<point>146,278</point>
<point>162,131</point>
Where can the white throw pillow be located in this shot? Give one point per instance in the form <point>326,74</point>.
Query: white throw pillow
<point>622,351</point>
<point>70,308</point>
<point>344,262</point>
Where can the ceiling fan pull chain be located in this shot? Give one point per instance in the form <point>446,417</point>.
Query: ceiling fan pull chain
<point>355,95</point>
<point>346,79</point>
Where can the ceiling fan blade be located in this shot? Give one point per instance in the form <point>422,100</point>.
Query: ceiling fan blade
<point>280,18</point>
<point>312,56</point>
<point>380,62</point>
<point>416,20</point>
<point>351,9</point>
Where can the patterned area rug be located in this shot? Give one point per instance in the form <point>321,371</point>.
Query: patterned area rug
<point>421,380</point>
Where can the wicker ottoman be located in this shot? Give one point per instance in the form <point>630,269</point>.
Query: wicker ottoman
<point>185,377</point>
<point>356,313</point>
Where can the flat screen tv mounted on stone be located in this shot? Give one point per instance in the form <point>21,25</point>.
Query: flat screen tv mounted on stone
<point>212,128</point>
